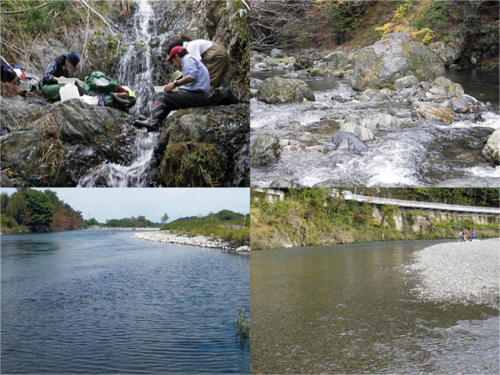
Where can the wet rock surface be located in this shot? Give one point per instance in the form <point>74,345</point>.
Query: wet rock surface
<point>266,149</point>
<point>491,152</point>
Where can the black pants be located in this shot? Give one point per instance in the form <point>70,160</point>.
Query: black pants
<point>182,99</point>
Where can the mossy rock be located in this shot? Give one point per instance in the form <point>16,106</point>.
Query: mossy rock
<point>193,164</point>
<point>281,90</point>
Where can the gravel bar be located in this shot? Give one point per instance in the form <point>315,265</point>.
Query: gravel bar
<point>200,241</point>
<point>459,272</point>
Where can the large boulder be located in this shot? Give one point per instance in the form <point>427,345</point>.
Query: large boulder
<point>214,140</point>
<point>394,56</point>
<point>57,144</point>
<point>266,149</point>
<point>491,152</point>
<point>281,90</point>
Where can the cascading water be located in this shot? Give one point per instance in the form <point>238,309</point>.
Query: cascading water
<point>134,71</point>
<point>134,67</point>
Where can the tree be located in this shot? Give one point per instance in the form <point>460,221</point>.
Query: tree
<point>18,209</point>
<point>41,210</point>
<point>164,218</point>
<point>5,198</point>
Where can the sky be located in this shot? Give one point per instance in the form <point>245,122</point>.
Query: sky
<point>118,203</point>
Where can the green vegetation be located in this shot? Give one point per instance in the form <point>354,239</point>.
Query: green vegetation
<point>242,326</point>
<point>298,24</point>
<point>308,217</point>
<point>226,225</point>
<point>30,210</point>
<point>133,222</point>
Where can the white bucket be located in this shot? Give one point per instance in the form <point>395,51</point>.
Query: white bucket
<point>70,91</point>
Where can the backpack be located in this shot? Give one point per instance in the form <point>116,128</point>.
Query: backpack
<point>99,82</point>
<point>222,96</point>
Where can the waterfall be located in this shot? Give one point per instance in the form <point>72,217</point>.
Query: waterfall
<point>134,67</point>
<point>134,71</point>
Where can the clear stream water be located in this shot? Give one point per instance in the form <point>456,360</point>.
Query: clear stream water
<point>350,309</point>
<point>417,153</point>
<point>102,302</point>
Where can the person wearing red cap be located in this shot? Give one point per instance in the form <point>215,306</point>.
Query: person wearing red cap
<point>193,89</point>
<point>212,54</point>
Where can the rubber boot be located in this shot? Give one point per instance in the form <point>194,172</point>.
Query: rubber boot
<point>158,114</point>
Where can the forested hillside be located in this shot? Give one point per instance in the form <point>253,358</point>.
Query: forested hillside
<point>323,24</point>
<point>30,210</point>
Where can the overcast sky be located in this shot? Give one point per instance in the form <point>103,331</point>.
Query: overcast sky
<point>116,203</point>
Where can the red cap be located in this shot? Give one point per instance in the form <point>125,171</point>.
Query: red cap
<point>175,51</point>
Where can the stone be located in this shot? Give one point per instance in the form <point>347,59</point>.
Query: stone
<point>277,54</point>
<point>459,106</point>
<point>429,112</point>
<point>347,141</point>
<point>442,83</point>
<point>405,82</point>
<point>265,150</point>
<point>394,56</point>
<point>281,90</point>
<point>491,152</point>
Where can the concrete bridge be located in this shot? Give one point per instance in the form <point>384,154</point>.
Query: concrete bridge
<point>347,195</point>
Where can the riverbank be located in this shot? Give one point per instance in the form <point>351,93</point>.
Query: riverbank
<point>199,241</point>
<point>459,272</point>
<point>123,228</point>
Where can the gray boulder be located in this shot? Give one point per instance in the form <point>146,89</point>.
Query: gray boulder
<point>406,82</point>
<point>265,150</point>
<point>277,54</point>
<point>395,56</point>
<point>491,152</point>
<point>347,141</point>
<point>281,90</point>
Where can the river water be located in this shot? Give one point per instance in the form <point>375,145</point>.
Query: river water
<point>102,302</point>
<point>350,309</point>
<point>416,153</point>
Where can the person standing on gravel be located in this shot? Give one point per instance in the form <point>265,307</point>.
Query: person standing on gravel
<point>473,235</point>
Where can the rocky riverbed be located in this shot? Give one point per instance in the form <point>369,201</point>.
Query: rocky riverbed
<point>407,127</point>
<point>201,241</point>
<point>459,272</point>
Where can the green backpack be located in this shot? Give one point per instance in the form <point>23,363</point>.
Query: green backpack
<point>98,82</point>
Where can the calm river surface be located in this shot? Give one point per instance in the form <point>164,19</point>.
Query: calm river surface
<point>349,309</point>
<point>102,302</point>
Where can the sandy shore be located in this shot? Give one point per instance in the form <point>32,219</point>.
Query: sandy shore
<point>459,272</point>
<point>165,237</point>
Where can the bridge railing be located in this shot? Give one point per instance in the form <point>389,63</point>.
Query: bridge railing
<point>428,205</point>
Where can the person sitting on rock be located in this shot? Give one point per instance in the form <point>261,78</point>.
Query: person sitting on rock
<point>56,69</point>
<point>193,89</point>
<point>212,54</point>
